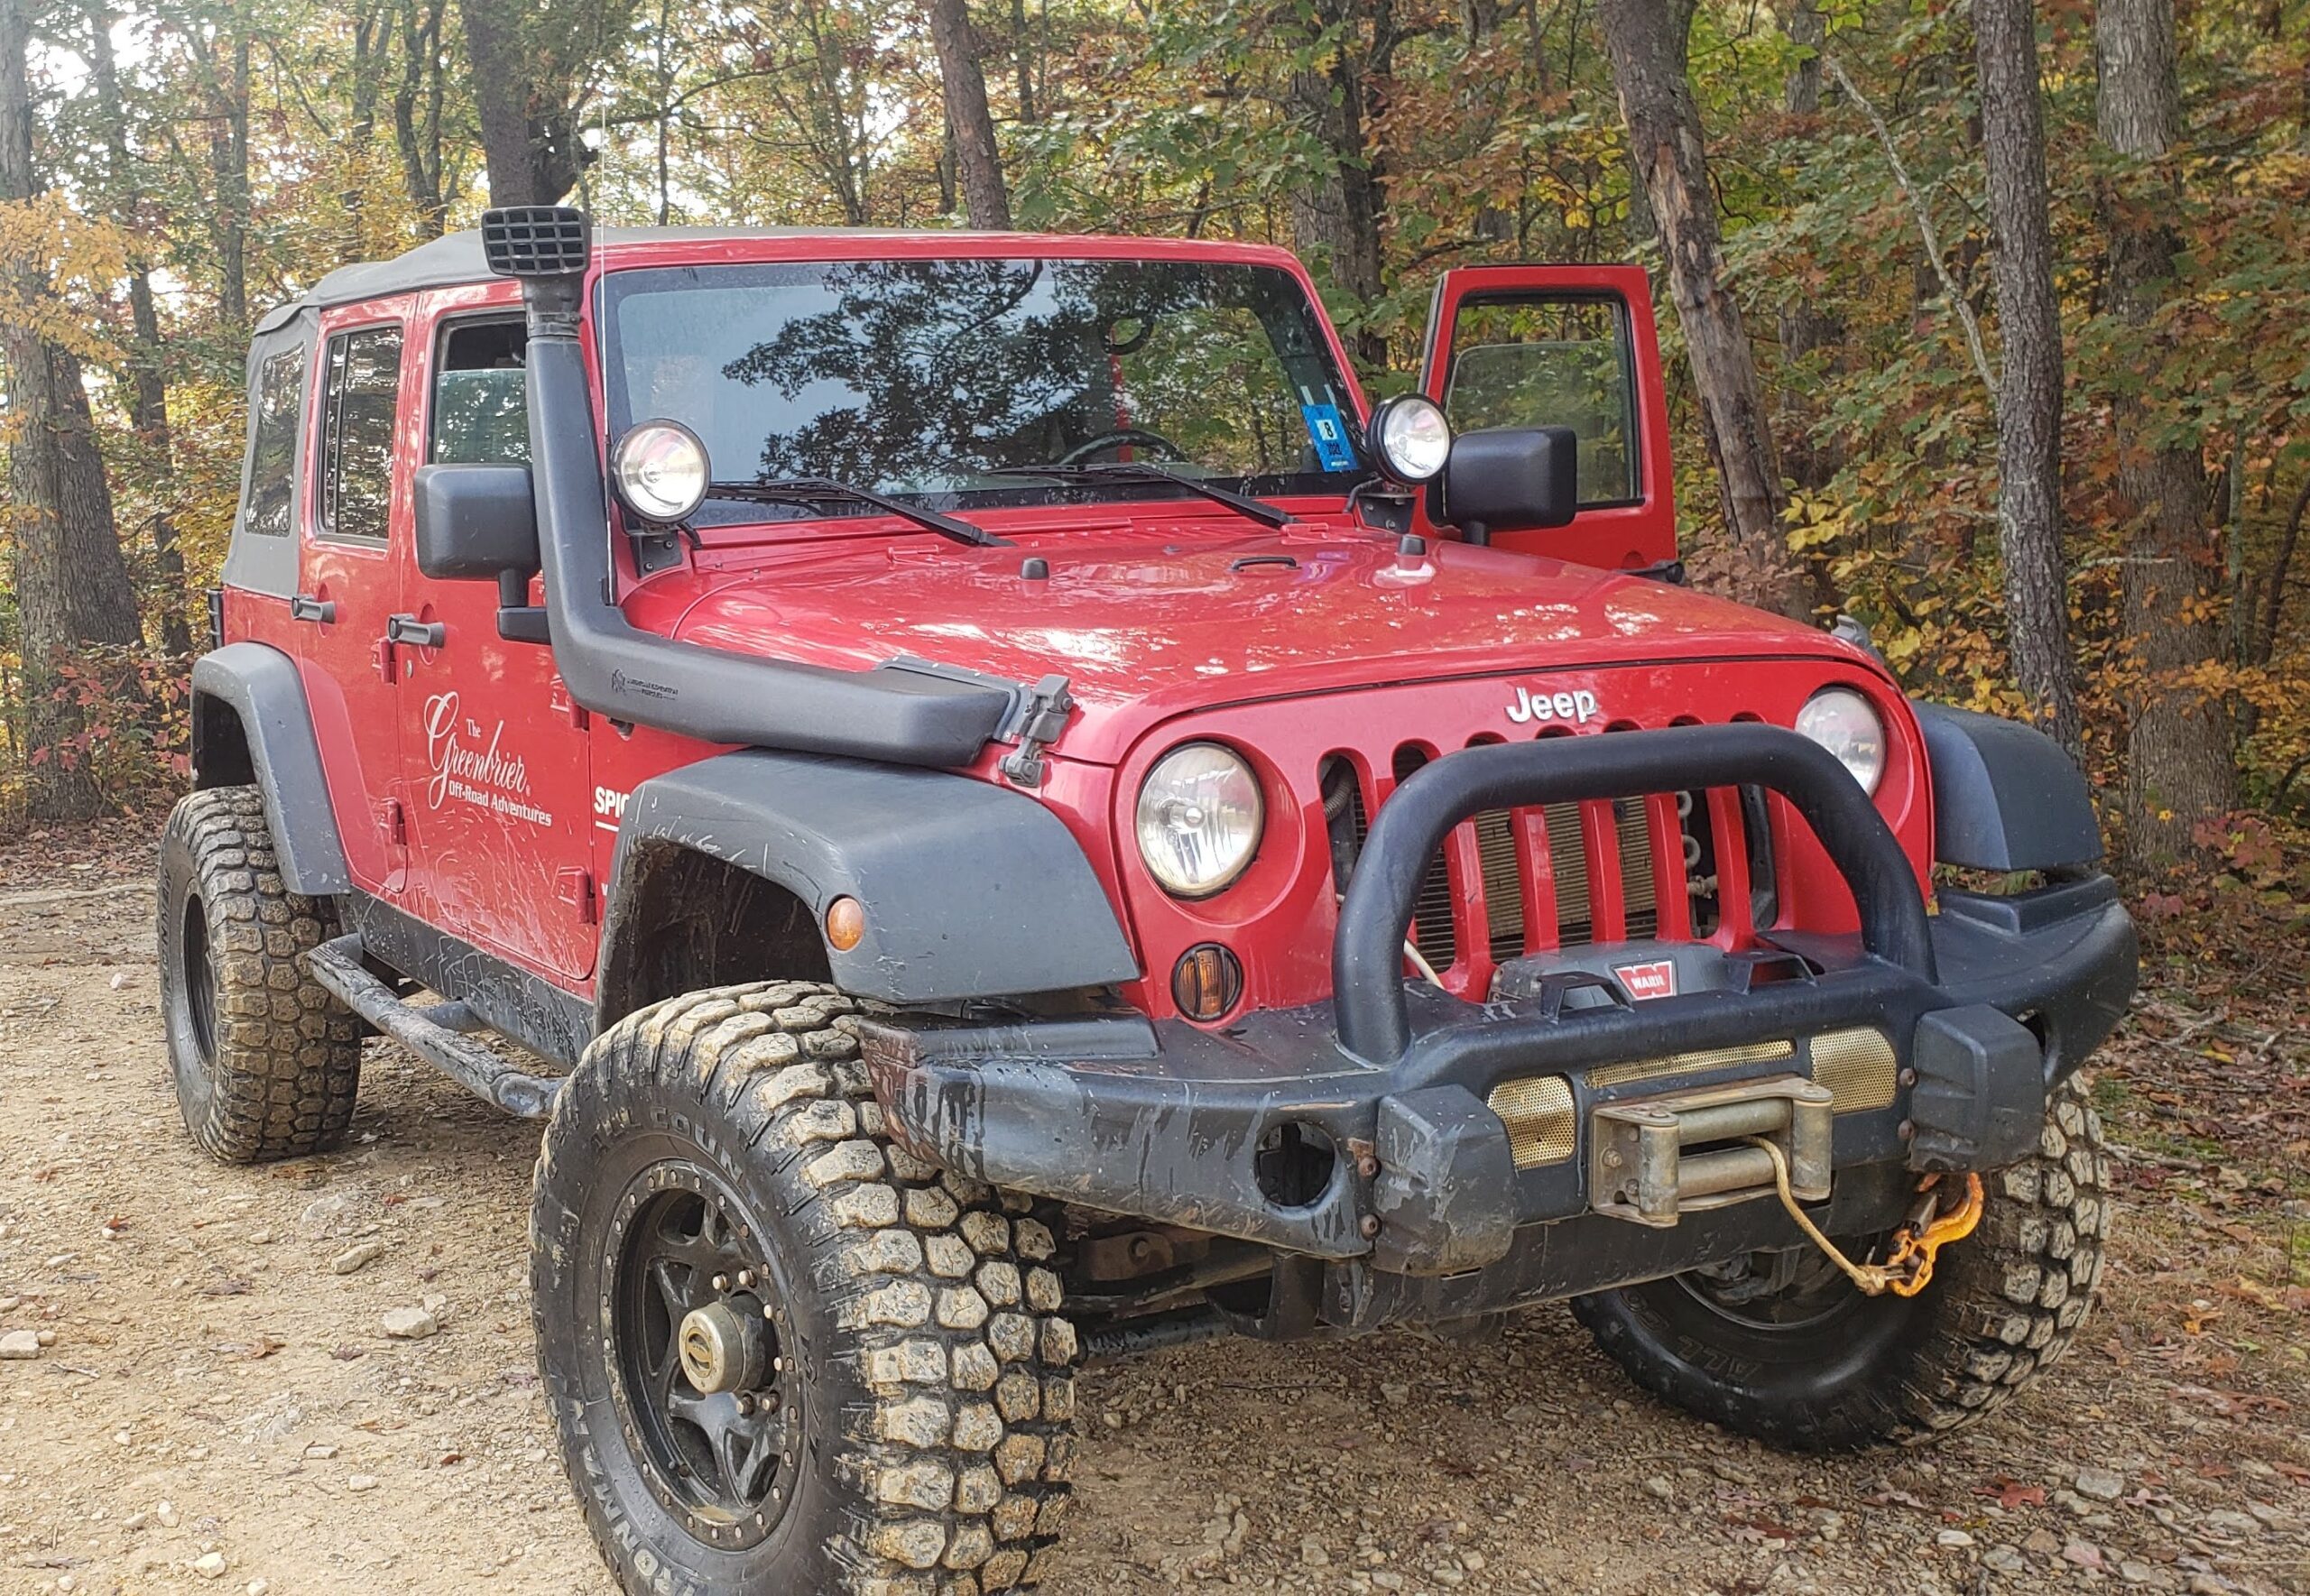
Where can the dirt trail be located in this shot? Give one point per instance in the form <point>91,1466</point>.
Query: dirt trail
<point>215,1391</point>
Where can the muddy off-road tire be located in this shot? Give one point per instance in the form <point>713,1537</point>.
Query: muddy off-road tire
<point>266,1059</point>
<point>888,1405</point>
<point>1817,1366</point>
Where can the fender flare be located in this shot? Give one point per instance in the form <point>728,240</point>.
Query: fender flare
<point>971,889</point>
<point>2005,797</point>
<point>259,686</point>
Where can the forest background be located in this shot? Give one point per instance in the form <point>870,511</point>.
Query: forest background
<point>1989,323</point>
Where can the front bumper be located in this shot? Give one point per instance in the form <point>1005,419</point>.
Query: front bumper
<point>1436,1152</point>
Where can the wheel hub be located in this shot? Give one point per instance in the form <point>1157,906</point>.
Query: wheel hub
<point>724,1349</point>
<point>709,1403</point>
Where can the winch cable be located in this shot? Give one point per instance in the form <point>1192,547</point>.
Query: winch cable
<point>1910,1268</point>
<point>1412,956</point>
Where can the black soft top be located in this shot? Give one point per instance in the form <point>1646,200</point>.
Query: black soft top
<point>455,259</point>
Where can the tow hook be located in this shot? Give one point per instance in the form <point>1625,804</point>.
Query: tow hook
<point>1908,1267</point>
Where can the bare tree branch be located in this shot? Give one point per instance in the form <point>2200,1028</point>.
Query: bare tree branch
<point>1957,300</point>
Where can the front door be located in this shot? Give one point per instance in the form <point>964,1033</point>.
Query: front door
<point>349,581</point>
<point>1564,347</point>
<point>501,825</point>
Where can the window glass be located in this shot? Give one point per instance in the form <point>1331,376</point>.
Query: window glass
<point>1551,363</point>
<point>953,379</point>
<point>360,400</point>
<point>480,411</point>
<point>272,455</point>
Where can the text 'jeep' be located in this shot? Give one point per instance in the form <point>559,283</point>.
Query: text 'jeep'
<point>1007,815</point>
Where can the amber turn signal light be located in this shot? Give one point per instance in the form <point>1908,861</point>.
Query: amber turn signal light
<point>1207,981</point>
<point>846,923</point>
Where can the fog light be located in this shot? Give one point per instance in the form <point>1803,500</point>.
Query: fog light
<point>1207,981</point>
<point>846,923</point>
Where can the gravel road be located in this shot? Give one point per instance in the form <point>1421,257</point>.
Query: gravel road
<point>214,1401</point>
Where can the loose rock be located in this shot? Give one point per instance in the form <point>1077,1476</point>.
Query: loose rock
<point>19,1345</point>
<point>357,1256</point>
<point>410,1324</point>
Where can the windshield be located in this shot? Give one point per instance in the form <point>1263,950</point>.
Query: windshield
<point>935,378</point>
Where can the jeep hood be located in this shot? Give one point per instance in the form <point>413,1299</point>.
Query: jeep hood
<point>1145,629</point>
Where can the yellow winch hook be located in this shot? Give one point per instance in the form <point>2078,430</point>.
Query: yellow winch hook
<point>1908,1269</point>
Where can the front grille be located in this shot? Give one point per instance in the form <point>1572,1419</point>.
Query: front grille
<point>1508,883</point>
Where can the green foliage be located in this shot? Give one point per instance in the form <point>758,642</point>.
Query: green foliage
<point>1491,130</point>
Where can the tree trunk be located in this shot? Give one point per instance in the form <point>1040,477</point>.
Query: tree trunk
<point>369,33</point>
<point>987,199</point>
<point>529,131</point>
<point>72,584</point>
<point>417,113</point>
<point>1808,28</point>
<point>2179,768</point>
<point>1022,62</point>
<point>2029,383</point>
<point>228,169</point>
<point>1647,39</point>
<point>1804,326</point>
<point>664,42</point>
<point>1335,214</point>
<point>501,103</point>
<point>144,381</point>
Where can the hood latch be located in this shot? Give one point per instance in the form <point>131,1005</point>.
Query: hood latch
<point>1034,723</point>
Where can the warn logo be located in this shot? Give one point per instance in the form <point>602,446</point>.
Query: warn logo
<point>1656,979</point>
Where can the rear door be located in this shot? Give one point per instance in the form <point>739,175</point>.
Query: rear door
<point>1564,347</point>
<point>348,581</point>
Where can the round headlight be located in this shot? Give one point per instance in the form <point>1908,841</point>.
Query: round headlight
<point>1199,818</point>
<point>660,471</point>
<point>1410,438</point>
<point>1841,721</point>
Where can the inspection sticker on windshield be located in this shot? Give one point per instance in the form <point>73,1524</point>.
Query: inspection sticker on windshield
<point>1328,432</point>
<point>1654,980</point>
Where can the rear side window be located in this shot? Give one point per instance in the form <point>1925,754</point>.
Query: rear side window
<point>273,454</point>
<point>480,411</point>
<point>359,403</point>
<point>1531,361</point>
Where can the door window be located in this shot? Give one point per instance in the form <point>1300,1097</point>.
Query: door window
<point>480,410</point>
<point>359,408</point>
<point>1551,361</point>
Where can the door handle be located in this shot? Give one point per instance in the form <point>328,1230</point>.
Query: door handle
<point>304,606</point>
<point>417,633</point>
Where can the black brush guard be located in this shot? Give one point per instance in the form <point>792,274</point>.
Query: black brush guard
<point>1410,1174</point>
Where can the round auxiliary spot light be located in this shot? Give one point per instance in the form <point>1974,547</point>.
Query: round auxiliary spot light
<point>660,471</point>
<point>846,923</point>
<point>1409,438</point>
<point>1207,981</point>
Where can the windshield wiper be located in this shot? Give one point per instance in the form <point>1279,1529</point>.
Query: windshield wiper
<point>812,491</point>
<point>1259,510</point>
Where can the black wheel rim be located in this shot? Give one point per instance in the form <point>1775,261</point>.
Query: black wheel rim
<point>1776,1291</point>
<point>200,975</point>
<point>686,1258</point>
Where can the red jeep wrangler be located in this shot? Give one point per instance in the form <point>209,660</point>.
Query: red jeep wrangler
<point>1001,814</point>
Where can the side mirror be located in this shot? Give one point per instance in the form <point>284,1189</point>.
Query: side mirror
<point>1509,479</point>
<point>475,522</point>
